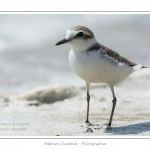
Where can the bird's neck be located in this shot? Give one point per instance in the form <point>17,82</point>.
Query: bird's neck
<point>85,45</point>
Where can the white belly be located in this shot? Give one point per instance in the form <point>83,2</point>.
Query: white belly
<point>95,67</point>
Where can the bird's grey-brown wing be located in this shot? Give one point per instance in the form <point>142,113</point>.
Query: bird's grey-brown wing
<point>113,54</point>
<point>116,56</point>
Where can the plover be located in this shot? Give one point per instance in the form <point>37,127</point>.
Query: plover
<point>95,63</point>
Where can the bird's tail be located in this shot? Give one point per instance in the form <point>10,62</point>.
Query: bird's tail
<point>139,66</point>
<point>145,67</point>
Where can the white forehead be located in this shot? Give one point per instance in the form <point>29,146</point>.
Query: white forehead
<point>72,33</point>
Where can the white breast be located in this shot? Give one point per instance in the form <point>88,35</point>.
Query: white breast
<point>96,67</point>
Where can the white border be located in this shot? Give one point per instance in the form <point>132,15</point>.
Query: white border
<point>113,142</point>
<point>74,5</point>
<point>59,12</point>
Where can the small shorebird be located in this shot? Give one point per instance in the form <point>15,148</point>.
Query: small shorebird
<point>96,63</point>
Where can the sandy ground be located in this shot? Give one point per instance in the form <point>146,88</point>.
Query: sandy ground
<point>60,110</point>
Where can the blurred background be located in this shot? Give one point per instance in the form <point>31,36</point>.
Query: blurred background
<point>29,57</point>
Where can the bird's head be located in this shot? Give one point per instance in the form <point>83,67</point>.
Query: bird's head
<point>79,38</point>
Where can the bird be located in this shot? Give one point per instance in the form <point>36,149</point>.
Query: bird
<point>95,63</point>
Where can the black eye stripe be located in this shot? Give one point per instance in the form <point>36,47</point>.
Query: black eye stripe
<point>80,34</point>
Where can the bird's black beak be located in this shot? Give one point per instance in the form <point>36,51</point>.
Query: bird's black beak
<point>62,42</point>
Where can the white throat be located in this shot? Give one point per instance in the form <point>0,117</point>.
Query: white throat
<point>83,44</point>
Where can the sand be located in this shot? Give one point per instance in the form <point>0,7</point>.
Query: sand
<point>61,109</point>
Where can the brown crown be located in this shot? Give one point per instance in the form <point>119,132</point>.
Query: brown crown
<point>76,28</point>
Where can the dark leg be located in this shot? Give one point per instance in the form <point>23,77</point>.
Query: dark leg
<point>88,102</point>
<point>88,105</point>
<point>113,106</point>
<point>87,123</point>
<point>112,112</point>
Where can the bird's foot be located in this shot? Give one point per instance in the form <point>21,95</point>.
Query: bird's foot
<point>88,124</point>
<point>105,126</point>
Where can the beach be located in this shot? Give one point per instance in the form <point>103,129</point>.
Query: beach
<point>61,110</point>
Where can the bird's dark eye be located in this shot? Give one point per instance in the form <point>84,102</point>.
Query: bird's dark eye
<point>80,34</point>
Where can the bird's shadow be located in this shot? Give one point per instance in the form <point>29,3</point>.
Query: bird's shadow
<point>130,129</point>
